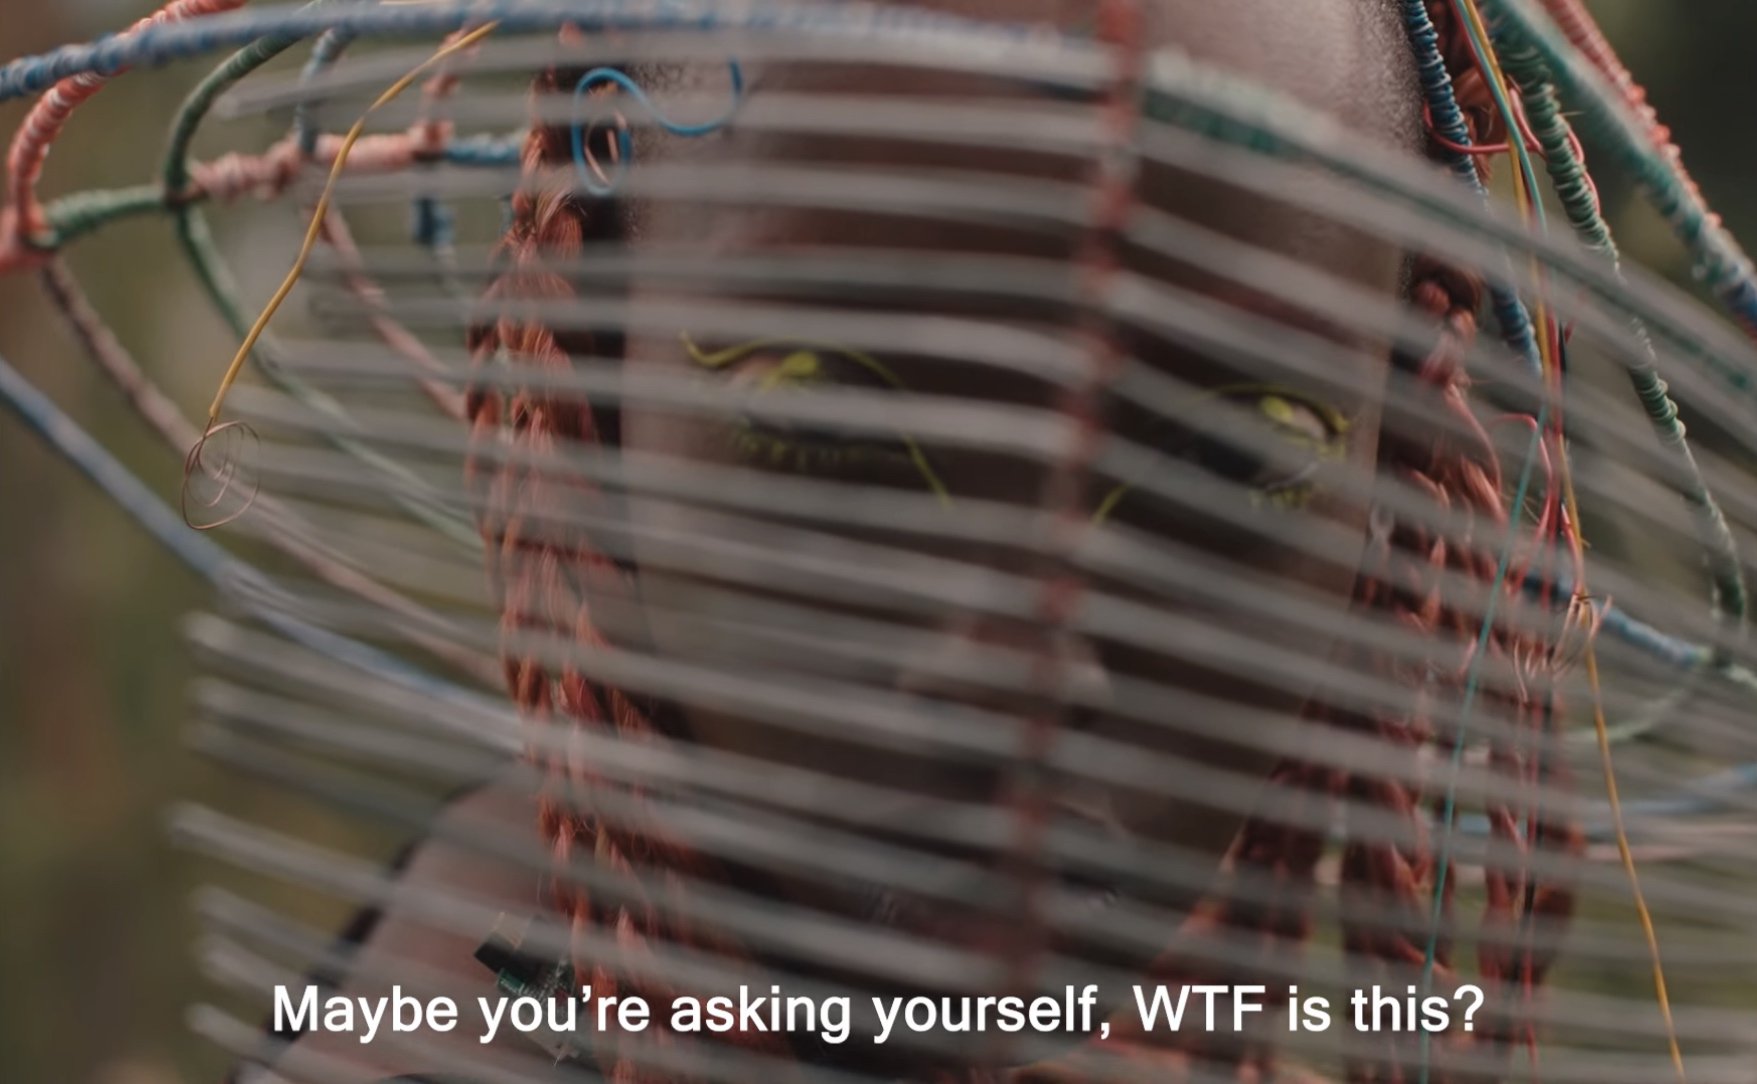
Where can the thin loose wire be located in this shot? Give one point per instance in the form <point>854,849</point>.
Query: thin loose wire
<point>1649,934</point>
<point>1481,42</point>
<point>197,244</point>
<point>591,175</point>
<point>323,204</point>
<point>1525,190</point>
<point>1579,199</point>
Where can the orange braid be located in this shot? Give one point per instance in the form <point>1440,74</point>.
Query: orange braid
<point>1388,883</point>
<point>547,577</point>
<point>546,580</point>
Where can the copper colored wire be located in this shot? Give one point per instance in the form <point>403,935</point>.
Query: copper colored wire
<point>221,476</point>
<point>1283,843</point>
<point>269,173</point>
<point>425,138</point>
<point>542,583</point>
<point>47,119</point>
<point>547,584</point>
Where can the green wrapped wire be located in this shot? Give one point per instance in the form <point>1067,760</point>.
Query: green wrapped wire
<point>1574,189</point>
<point>197,243</point>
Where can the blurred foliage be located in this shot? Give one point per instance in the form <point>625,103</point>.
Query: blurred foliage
<point>96,966</point>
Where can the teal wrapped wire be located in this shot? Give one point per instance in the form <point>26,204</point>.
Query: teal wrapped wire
<point>1569,178</point>
<point>1448,120</point>
<point>75,216</point>
<point>83,213</point>
<point>1568,174</point>
<point>1720,262</point>
<point>201,99</point>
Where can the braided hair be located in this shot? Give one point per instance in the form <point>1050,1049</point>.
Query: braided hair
<point>550,581</point>
<point>1389,879</point>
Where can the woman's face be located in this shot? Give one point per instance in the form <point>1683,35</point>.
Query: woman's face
<point>941,627</point>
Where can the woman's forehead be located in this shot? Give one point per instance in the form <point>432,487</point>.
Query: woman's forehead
<point>1341,56</point>
<point>1346,57</point>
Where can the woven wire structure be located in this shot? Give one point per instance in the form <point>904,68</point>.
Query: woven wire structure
<point>883,500</point>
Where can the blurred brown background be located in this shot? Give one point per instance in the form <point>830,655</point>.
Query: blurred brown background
<point>95,965</point>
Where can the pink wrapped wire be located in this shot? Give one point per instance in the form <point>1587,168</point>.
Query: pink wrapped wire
<point>1584,33</point>
<point>24,216</point>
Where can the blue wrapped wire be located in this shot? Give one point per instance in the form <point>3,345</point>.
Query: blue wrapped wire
<point>1448,120</point>
<point>196,551</point>
<point>605,184</point>
<point>162,44</point>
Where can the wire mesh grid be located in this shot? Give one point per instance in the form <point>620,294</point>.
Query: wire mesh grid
<point>878,502</point>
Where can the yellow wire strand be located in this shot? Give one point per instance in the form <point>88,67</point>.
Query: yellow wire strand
<point>1525,202</point>
<point>322,212</point>
<point>1616,805</point>
<point>1578,550</point>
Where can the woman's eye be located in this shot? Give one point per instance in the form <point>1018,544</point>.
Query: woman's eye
<point>778,443</point>
<point>1304,435</point>
<point>1308,435</point>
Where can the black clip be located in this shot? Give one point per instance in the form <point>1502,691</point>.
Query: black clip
<point>518,972</point>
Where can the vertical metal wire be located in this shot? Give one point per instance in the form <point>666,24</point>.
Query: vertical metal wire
<point>1122,27</point>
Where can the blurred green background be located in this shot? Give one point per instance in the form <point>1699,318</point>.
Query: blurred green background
<point>95,930</point>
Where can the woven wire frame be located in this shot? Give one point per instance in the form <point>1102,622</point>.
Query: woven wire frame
<point>1349,669</point>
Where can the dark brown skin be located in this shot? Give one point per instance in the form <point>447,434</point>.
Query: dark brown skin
<point>1347,57</point>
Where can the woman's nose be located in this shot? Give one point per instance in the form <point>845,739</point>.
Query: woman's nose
<point>1007,666</point>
